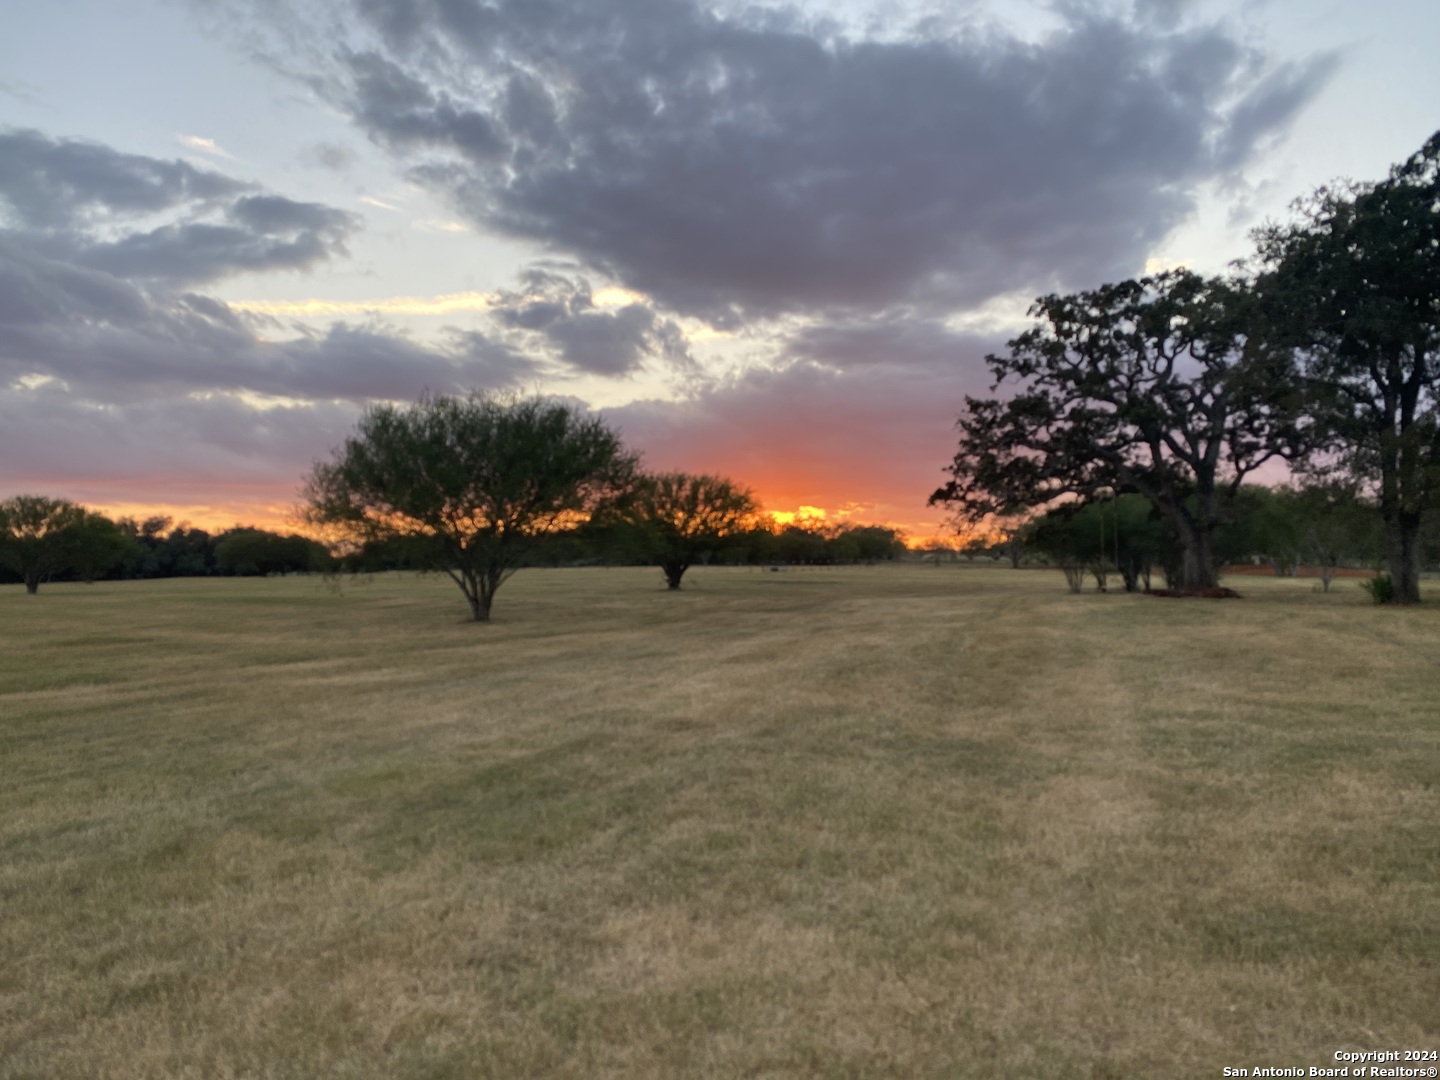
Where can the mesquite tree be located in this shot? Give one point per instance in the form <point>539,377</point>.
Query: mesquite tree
<point>1151,386</point>
<point>475,481</point>
<point>1355,284</point>
<point>680,515</point>
<point>35,536</point>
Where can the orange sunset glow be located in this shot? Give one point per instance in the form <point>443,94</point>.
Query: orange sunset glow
<point>221,244</point>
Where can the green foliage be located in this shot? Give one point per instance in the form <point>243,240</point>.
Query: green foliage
<point>871,543</point>
<point>1149,386</point>
<point>160,551</point>
<point>43,538</point>
<point>1122,534</point>
<point>476,481</point>
<point>1380,588</point>
<point>1321,523</point>
<point>678,517</point>
<point>1354,285</point>
<point>33,541</point>
<point>249,552</point>
<point>95,545</point>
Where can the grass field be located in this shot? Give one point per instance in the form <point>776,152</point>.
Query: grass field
<point>857,822</point>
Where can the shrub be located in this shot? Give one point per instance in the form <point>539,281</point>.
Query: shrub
<point>1380,588</point>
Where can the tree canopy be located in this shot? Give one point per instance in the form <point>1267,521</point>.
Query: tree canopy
<point>1355,285</point>
<point>1151,386</point>
<point>32,536</point>
<point>473,480</point>
<point>679,516</point>
<point>41,537</point>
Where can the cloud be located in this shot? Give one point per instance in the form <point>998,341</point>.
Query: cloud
<point>560,315</point>
<point>109,340</point>
<point>901,341</point>
<point>89,205</point>
<point>861,415</point>
<point>70,184</point>
<point>444,304</point>
<point>24,92</point>
<point>327,155</point>
<point>204,145</point>
<point>214,450</point>
<point>756,164</point>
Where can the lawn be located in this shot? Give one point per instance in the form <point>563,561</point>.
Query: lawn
<point>854,822</point>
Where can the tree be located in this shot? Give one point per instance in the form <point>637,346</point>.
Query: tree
<point>1149,386</point>
<point>1355,284</point>
<point>473,480</point>
<point>1054,536</point>
<point>94,545</point>
<point>33,539</point>
<point>874,543</point>
<point>1119,532</point>
<point>1336,526</point>
<point>679,516</point>
<point>248,551</point>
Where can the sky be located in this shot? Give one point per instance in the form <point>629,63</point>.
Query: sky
<point>769,241</point>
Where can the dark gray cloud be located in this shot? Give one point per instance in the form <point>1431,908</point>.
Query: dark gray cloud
<point>96,300</point>
<point>66,183</point>
<point>757,164</point>
<point>86,204</point>
<point>214,450</point>
<point>257,233</point>
<point>558,313</point>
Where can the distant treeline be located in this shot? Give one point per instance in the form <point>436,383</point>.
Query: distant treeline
<point>590,544</point>
<point>51,540</point>
<point>66,542</point>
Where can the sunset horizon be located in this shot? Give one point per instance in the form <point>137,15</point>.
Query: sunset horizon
<point>773,244</point>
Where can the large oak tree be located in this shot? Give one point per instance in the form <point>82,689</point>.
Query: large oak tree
<point>1151,386</point>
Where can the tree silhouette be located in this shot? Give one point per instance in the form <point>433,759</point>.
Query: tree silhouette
<point>680,516</point>
<point>474,481</point>
<point>33,540</point>
<point>1355,284</point>
<point>1150,386</point>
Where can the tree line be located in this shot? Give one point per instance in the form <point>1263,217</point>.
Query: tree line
<point>44,539</point>
<point>1322,352</point>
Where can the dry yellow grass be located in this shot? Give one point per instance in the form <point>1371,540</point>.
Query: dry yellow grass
<point>857,822</point>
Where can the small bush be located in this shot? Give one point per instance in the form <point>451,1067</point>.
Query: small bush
<point>1380,588</point>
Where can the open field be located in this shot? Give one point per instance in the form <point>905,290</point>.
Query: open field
<point>857,822</point>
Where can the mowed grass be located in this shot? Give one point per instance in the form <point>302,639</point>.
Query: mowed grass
<point>892,821</point>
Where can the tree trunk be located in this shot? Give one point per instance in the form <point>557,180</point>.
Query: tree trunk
<point>478,592</point>
<point>1402,549</point>
<point>1197,566</point>
<point>1074,576</point>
